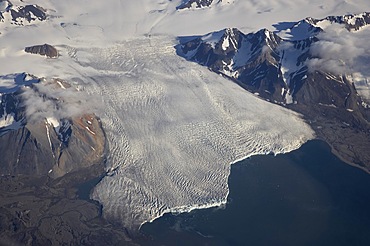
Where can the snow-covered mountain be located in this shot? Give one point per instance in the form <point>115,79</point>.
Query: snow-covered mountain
<point>252,59</point>
<point>276,65</point>
<point>313,65</point>
<point>174,127</point>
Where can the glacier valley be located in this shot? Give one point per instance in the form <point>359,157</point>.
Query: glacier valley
<point>173,128</point>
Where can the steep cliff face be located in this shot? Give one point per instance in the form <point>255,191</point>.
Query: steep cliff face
<point>46,146</point>
<point>250,59</point>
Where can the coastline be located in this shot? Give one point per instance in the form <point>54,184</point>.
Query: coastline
<point>320,134</point>
<point>345,160</point>
<point>187,209</point>
<point>224,201</point>
<point>270,195</point>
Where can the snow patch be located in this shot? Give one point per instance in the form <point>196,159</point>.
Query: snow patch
<point>53,121</point>
<point>89,130</point>
<point>7,120</point>
<point>213,38</point>
<point>288,98</point>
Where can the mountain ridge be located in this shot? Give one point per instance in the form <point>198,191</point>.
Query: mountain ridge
<point>276,66</point>
<point>21,14</point>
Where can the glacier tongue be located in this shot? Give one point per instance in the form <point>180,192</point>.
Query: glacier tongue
<point>174,128</point>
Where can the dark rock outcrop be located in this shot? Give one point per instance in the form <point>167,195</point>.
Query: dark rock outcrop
<point>196,3</point>
<point>20,15</point>
<point>28,13</point>
<point>44,50</point>
<point>250,59</point>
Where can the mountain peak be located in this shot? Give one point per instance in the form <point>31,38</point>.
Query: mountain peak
<point>286,53</point>
<point>352,22</point>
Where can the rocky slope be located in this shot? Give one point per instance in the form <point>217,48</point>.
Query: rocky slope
<point>48,146</point>
<point>44,211</point>
<point>21,14</point>
<point>43,50</point>
<point>277,66</point>
<point>44,164</point>
<point>196,3</point>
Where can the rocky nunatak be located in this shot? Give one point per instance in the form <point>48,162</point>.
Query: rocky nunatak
<point>43,50</point>
<point>50,144</point>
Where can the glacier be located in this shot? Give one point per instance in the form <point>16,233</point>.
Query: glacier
<point>173,127</point>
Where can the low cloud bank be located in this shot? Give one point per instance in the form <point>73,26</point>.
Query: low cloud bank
<point>49,100</point>
<point>341,52</point>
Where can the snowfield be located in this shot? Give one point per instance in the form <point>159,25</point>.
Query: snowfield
<point>173,127</point>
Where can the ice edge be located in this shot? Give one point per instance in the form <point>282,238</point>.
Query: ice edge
<point>223,202</point>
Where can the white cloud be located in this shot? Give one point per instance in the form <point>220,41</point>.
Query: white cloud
<point>47,100</point>
<point>340,51</point>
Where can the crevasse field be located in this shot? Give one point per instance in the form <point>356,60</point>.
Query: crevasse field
<point>173,127</point>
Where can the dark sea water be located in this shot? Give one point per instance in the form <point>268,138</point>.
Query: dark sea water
<point>84,189</point>
<point>306,197</point>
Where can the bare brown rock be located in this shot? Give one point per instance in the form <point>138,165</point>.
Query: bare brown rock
<point>335,112</point>
<point>46,173</point>
<point>44,50</point>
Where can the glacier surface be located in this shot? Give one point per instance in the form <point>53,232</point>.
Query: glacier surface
<point>173,127</point>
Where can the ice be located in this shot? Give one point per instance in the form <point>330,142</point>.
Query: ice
<point>89,21</point>
<point>49,140</point>
<point>174,128</point>
<point>53,121</point>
